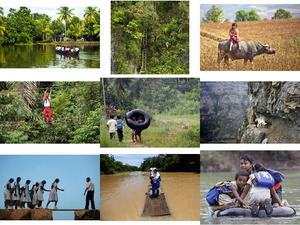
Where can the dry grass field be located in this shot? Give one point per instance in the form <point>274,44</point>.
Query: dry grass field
<point>283,35</point>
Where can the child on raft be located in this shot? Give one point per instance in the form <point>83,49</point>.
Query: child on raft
<point>224,194</point>
<point>234,36</point>
<point>246,163</point>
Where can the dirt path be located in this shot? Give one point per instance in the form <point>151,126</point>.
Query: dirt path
<point>131,144</point>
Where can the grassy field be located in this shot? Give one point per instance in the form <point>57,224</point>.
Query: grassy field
<point>164,131</point>
<point>283,35</point>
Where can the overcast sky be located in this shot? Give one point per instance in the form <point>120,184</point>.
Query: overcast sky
<point>263,10</point>
<point>132,159</point>
<point>50,11</point>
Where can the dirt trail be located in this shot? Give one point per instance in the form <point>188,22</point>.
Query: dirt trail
<point>137,145</point>
<point>211,36</point>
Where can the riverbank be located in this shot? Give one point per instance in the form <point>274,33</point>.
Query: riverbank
<point>221,161</point>
<point>60,43</point>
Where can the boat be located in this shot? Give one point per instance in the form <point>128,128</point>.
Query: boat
<point>155,206</point>
<point>69,53</point>
<point>243,212</point>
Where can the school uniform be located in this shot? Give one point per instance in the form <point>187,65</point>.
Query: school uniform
<point>47,110</point>
<point>40,192</point>
<point>34,197</point>
<point>25,195</point>
<point>53,193</point>
<point>90,195</point>
<point>17,190</point>
<point>7,194</point>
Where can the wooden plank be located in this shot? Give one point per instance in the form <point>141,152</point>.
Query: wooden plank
<point>156,206</point>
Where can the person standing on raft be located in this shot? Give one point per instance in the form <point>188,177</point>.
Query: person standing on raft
<point>155,183</point>
<point>47,106</point>
<point>90,193</point>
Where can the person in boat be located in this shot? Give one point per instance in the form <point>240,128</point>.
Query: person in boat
<point>155,183</point>
<point>47,106</point>
<point>224,194</point>
<point>76,49</point>
<point>246,163</point>
<point>262,183</point>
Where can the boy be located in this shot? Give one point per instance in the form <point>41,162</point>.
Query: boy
<point>139,132</point>
<point>47,106</point>
<point>120,126</point>
<point>111,124</point>
<point>246,163</point>
<point>223,194</point>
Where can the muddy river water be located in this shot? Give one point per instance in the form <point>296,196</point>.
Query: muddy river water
<point>123,196</point>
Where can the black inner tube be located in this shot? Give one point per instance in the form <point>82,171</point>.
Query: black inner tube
<point>137,119</point>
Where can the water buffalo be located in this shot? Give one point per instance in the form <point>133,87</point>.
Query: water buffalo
<point>249,49</point>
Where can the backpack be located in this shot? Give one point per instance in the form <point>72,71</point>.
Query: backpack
<point>278,177</point>
<point>264,179</point>
<point>120,126</point>
<point>219,188</point>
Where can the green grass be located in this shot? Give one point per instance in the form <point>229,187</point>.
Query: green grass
<point>164,131</point>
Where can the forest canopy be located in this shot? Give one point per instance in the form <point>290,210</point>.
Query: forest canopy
<point>164,24</point>
<point>21,26</point>
<point>74,107</point>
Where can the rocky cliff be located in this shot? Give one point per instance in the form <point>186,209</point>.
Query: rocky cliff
<point>25,214</point>
<point>87,214</point>
<point>223,108</point>
<point>273,115</point>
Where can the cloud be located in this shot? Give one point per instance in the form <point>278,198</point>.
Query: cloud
<point>261,8</point>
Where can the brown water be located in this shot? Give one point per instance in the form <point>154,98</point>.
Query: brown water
<point>123,196</point>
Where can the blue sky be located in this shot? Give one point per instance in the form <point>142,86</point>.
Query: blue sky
<point>50,11</point>
<point>132,159</point>
<point>264,10</point>
<point>72,170</point>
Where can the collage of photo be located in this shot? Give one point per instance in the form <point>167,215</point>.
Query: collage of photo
<point>180,88</point>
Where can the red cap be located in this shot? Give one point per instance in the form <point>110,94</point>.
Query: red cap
<point>46,97</point>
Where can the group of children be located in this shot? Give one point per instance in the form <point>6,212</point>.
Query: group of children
<point>18,197</point>
<point>266,190</point>
<point>66,49</point>
<point>119,124</point>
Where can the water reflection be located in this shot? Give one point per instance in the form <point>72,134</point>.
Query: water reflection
<point>44,56</point>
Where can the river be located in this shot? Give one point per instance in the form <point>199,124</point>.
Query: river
<point>44,56</point>
<point>123,196</point>
<point>290,186</point>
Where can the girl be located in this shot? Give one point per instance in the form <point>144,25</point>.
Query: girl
<point>34,190</point>
<point>234,36</point>
<point>7,193</point>
<point>16,193</point>
<point>25,195</point>
<point>40,193</point>
<point>53,194</point>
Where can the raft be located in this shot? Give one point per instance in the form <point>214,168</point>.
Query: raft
<point>242,212</point>
<point>155,206</point>
<point>67,53</point>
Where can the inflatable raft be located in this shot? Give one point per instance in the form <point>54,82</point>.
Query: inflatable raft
<point>134,115</point>
<point>242,212</point>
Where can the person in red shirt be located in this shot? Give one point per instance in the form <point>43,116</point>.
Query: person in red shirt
<point>47,106</point>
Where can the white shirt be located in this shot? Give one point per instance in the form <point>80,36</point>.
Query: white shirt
<point>8,184</point>
<point>48,102</point>
<point>156,176</point>
<point>112,125</point>
<point>90,186</point>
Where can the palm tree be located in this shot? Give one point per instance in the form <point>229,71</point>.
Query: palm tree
<point>74,30</point>
<point>89,14</point>
<point>56,26</point>
<point>97,29</point>
<point>66,15</point>
<point>2,30</point>
<point>1,11</point>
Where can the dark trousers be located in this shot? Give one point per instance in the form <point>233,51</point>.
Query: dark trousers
<point>89,196</point>
<point>120,135</point>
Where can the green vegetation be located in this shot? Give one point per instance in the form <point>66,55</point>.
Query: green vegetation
<point>173,163</point>
<point>75,112</point>
<point>23,27</point>
<point>243,15</point>
<point>214,15</point>
<point>282,14</point>
<point>171,103</point>
<point>166,26</point>
<point>108,165</point>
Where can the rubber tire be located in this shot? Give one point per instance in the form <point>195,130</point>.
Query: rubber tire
<point>137,113</point>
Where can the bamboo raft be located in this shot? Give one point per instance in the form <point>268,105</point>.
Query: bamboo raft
<point>155,206</point>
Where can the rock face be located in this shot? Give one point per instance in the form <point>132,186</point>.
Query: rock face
<point>223,108</point>
<point>25,214</point>
<point>87,214</point>
<point>275,106</point>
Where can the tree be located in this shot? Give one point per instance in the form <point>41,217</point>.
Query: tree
<point>90,14</point>
<point>282,14</point>
<point>56,26</point>
<point>66,15</point>
<point>243,15</point>
<point>214,15</point>
<point>74,31</point>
